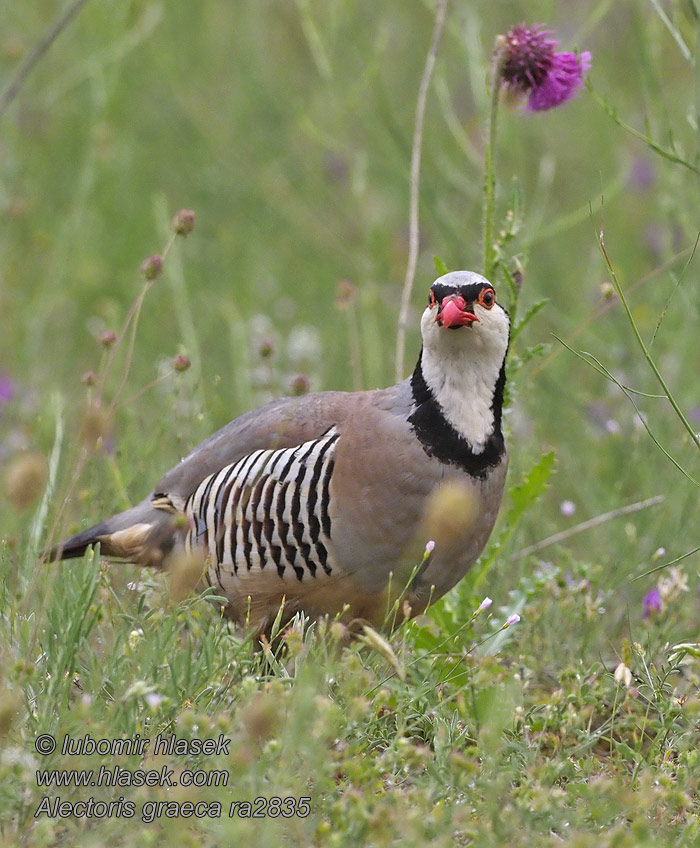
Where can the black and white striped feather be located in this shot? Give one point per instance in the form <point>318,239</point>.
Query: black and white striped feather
<point>270,511</point>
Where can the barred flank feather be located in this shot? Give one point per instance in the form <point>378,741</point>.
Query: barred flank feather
<point>269,510</point>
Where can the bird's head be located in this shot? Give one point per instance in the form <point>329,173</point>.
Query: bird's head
<point>464,316</point>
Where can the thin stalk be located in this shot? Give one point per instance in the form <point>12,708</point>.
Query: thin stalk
<point>38,52</point>
<point>642,345</point>
<point>415,182</point>
<point>489,200</point>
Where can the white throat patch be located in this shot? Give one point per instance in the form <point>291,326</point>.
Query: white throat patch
<point>461,368</point>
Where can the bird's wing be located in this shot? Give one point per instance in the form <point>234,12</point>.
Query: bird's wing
<point>279,424</point>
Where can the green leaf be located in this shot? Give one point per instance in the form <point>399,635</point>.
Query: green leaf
<point>523,495</point>
<point>440,266</point>
<point>534,482</point>
<point>525,320</point>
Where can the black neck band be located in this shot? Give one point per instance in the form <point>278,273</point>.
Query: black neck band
<point>440,439</point>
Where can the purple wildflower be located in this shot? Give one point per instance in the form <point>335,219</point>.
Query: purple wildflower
<point>652,602</point>
<point>531,66</point>
<point>7,388</point>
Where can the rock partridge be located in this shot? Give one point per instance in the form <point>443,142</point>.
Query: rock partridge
<point>319,502</point>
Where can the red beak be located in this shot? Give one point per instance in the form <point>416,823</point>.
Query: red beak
<point>454,312</point>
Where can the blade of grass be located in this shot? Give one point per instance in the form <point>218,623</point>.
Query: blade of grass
<point>640,341</point>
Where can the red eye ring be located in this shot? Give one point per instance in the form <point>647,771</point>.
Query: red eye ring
<point>487,298</point>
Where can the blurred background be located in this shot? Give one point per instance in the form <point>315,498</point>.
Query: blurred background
<point>287,126</point>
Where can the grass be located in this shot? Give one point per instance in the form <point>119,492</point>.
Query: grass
<point>288,128</point>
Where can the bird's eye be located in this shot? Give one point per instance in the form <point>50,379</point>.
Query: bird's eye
<point>487,298</point>
<point>431,298</point>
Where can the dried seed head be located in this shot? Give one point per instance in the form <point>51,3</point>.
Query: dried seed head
<point>107,338</point>
<point>181,362</point>
<point>152,267</point>
<point>266,347</point>
<point>186,571</point>
<point>10,704</point>
<point>449,516</point>
<point>25,479</point>
<point>345,294</point>
<point>183,222</point>
<point>261,716</point>
<point>299,385</point>
<point>623,675</point>
<point>607,291</point>
<point>96,426</point>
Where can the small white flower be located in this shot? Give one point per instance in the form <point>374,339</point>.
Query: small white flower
<point>567,508</point>
<point>154,700</point>
<point>135,637</point>
<point>485,604</point>
<point>512,619</point>
<point>623,675</point>
<point>429,547</point>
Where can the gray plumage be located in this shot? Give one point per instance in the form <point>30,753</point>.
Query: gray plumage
<point>320,501</point>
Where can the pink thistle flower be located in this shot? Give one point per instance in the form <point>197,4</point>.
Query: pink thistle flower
<point>531,66</point>
<point>562,82</point>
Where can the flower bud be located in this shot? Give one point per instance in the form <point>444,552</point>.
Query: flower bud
<point>181,362</point>
<point>25,479</point>
<point>152,267</point>
<point>107,338</point>
<point>299,385</point>
<point>183,222</point>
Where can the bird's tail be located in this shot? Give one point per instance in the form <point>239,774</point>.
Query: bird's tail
<point>142,534</point>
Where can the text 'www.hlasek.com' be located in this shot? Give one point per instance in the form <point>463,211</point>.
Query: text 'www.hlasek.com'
<point>120,776</point>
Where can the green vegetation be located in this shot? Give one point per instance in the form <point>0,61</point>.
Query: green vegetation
<point>287,127</point>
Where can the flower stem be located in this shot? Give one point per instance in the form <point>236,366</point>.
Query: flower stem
<point>489,198</point>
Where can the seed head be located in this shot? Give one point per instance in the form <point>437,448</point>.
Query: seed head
<point>266,347</point>
<point>528,53</point>
<point>299,385</point>
<point>449,515</point>
<point>183,222</point>
<point>152,267</point>
<point>623,675</point>
<point>186,573</point>
<point>181,362</point>
<point>25,479</point>
<point>96,426</point>
<point>345,293</point>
